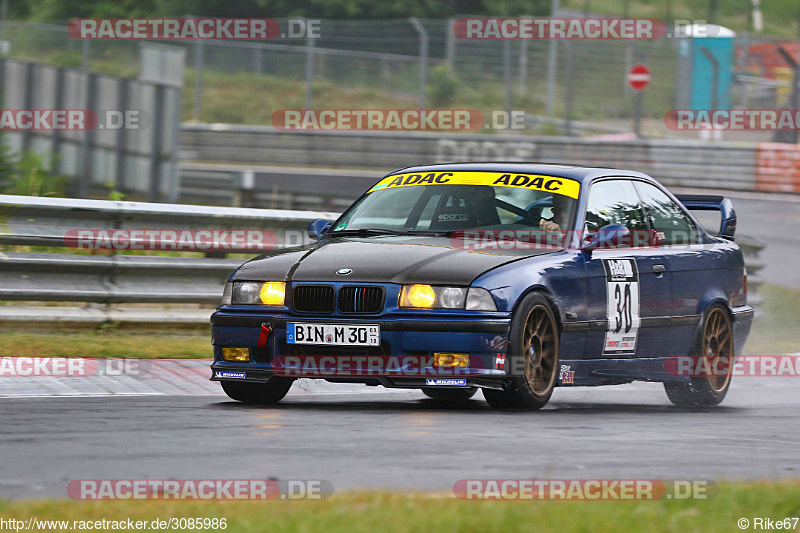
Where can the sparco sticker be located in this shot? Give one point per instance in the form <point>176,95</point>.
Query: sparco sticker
<point>622,297</point>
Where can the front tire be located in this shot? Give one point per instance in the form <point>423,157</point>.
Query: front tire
<point>268,393</point>
<point>533,357</point>
<point>716,347</point>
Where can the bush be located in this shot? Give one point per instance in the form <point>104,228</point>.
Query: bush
<point>27,175</point>
<point>443,86</point>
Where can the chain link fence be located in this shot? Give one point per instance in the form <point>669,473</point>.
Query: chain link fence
<point>571,87</point>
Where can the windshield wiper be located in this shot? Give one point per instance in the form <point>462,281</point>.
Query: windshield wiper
<point>362,232</point>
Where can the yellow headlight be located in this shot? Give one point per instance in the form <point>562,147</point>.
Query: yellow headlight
<point>241,355</point>
<point>273,293</point>
<point>422,296</point>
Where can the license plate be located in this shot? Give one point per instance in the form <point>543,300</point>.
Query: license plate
<point>334,334</point>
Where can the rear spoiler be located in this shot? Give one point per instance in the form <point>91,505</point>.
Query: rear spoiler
<point>709,202</point>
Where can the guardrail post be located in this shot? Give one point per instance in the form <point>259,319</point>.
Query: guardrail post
<point>85,59</point>
<point>309,97</point>
<point>122,137</point>
<point>552,57</point>
<point>83,176</point>
<point>257,67</point>
<point>423,58</point>
<point>523,64</point>
<point>743,67</point>
<point>507,75</point>
<point>450,43</point>
<point>29,92</point>
<point>55,151</point>
<point>198,80</point>
<point>570,89</point>
<point>157,148</point>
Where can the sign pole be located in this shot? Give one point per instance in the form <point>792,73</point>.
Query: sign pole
<point>637,115</point>
<point>638,78</point>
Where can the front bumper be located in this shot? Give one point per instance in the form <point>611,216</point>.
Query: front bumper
<point>482,335</point>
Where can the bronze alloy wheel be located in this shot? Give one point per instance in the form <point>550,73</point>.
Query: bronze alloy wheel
<point>532,364</point>
<point>540,351</point>
<point>718,349</point>
<point>715,346</point>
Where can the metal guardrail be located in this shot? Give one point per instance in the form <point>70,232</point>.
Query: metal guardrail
<point>684,163</point>
<point>273,186</point>
<point>106,278</point>
<point>131,279</point>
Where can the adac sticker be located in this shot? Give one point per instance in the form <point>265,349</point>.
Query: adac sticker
<point>536,182</point>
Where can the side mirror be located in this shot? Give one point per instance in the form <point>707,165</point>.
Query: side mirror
<point>589,241</point>
<point>317,228</point>
<point>611,236</point>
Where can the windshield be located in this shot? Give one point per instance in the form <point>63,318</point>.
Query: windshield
<point>411,203</point>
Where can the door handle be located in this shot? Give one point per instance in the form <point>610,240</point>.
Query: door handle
<point>659,269</point>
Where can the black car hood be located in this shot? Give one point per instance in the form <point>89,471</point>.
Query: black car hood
<point>393,259</point>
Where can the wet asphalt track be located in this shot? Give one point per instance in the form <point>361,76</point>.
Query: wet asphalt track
<point>398,440</point>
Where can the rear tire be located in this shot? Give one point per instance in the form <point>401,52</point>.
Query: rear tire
<point>716,346</point>
<point>533,357</point>
<point>268,393</point>
<point>454,395</point>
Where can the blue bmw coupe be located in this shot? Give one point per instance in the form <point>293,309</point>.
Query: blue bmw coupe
<point>512,278</point>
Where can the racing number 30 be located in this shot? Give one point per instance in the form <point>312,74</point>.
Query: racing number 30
<point>624,311</point>
<point>622,290</point>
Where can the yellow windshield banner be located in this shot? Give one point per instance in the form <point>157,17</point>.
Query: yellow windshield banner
<point>557,185</point>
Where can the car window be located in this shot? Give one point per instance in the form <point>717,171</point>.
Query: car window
<point>388,211</point>
<point>615,202</point>
<point>667,217</point>
<point>456,207</point>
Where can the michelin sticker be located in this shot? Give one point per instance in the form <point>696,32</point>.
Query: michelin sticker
<point>622,297</point>
<point>449,381</point>
<point>230,375</point>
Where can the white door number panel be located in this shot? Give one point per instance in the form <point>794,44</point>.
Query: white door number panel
<point>622,297</point>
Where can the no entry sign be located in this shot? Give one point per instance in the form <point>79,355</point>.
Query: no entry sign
<point>639,77</point>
